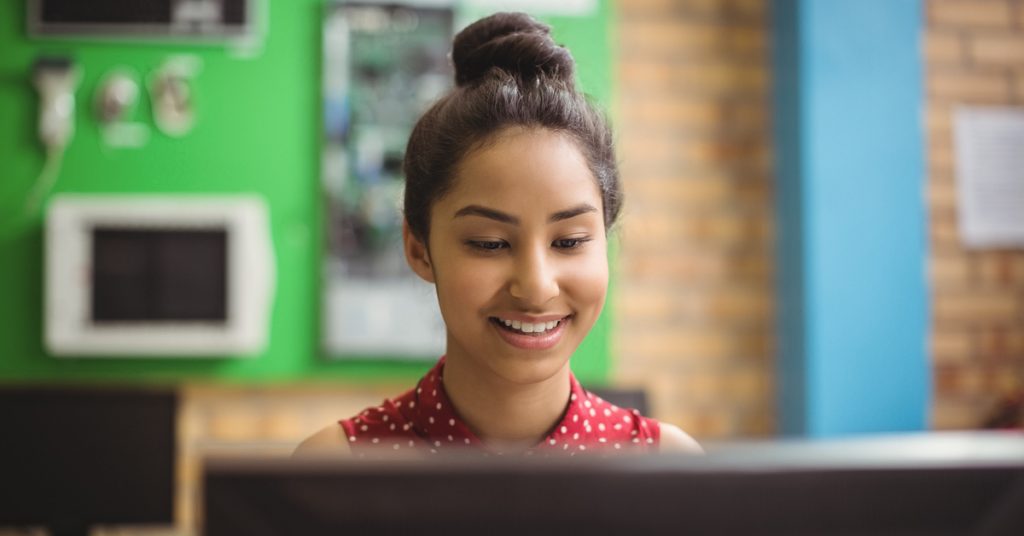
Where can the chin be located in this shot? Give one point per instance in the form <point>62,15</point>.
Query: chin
<point>523,369</point>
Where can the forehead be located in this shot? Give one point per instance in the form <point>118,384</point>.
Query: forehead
<point>525,169</point>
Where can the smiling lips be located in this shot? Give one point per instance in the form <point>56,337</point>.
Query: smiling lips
<point>531,335</point>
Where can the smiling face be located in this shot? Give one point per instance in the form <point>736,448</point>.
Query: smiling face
<point>518,253</point>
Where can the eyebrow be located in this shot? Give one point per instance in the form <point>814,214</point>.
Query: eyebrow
<point>499,216</point>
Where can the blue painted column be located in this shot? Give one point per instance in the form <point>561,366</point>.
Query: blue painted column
<point>851,217</point>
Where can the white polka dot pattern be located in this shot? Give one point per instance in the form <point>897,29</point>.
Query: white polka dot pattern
<point>423,420</point>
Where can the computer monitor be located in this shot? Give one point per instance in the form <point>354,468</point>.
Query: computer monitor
<point>72,458</point>
<point>752,489</point>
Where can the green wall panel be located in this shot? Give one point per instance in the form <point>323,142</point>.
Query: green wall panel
<point>257,130</point>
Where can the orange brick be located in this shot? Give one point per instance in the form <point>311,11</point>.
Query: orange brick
<point>714,423</point>
<point>940,156</point>
<point>749,8</point>
<point>684,418</point>
<point>758,424</point>
<point>943,47</point>
<point>944,235</point>
<point>689,229</point>
<point>970,13</point>
<point>951,346</point>
<point>667,7</point>
<point>744,116</point>
<point>940,149</point>
<point>702,192</point>
<point>681,344</point>
<point>690,117</point>
<point>950,271</point>
<point>740,304</point>
<point>695,78</point>
<point>1017,267</point>
<point>646,303</point>
<point>708,266</point>
<point>996,269</point>
<point>691,113</point>
<point>993,342</point>
<point>704,422</point>
<point>682,194</point>
<point>675,38</point>
<point>748,385</point>
<point>1018,87</point>
<point>969,87</point>
<point>938,119</point>
<point>1008,380</point>
<point>702,387</point>
<point>974,306</point>
<point>997,49</point>
<point>747,41</point>
<point>665,36</point>
<point>970,380</point>
<point>942,194</point>
<point>1015,340</point>
<point>726,9</point>
<point>952,415</point>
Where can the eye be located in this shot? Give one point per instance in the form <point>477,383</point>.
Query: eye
<point>487,245</point>
<point>569,243</point>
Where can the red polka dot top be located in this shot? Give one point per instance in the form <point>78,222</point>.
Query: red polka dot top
<point>423,420</point>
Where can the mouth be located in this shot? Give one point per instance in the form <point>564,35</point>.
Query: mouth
<point>526,328</point>
<point>531,335</point>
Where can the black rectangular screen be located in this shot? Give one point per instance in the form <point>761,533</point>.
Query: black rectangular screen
<point>147,275</point>
<point>71,458</point>
<point>665,495</point>
<point>141,18</point>
<point>107,11</point>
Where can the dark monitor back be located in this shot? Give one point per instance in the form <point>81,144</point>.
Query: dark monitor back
<point>716,494</point>
<point>72,458</point>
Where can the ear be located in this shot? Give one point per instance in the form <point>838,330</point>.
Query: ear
<point>416,254</point>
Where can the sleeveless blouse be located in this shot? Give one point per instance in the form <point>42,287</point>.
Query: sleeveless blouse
<point>423,420</point>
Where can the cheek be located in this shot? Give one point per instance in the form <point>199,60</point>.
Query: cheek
<point>465,285</point>
<point>586,282</point>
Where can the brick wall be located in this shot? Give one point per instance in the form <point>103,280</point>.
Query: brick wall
<point>232,421</point>
<point>693,302</point>
<point>974,54</point>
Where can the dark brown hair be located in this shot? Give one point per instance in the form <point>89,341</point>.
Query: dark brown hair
<point>508,73</point>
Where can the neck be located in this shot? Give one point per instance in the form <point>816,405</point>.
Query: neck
<point>502,413</point>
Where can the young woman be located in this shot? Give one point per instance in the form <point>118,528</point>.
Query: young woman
<point>512,187</point>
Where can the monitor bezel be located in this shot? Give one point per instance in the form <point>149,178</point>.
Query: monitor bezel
<point>250,276</point>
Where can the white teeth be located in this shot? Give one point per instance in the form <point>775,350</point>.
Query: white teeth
<point>527,327</point>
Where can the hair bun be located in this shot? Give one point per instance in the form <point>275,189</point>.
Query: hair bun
<point>513,42</point>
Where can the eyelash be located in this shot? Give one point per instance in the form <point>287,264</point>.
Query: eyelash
<point>576,242</point>
<point>490,246</point>
<point>487,245</point>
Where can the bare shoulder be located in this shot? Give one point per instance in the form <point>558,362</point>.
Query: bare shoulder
<point>329,440</point>
<point>673,439</point>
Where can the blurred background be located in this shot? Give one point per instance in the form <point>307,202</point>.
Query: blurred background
<point>790,262</point>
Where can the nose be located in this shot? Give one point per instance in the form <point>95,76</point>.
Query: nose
<point>535,280</point>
